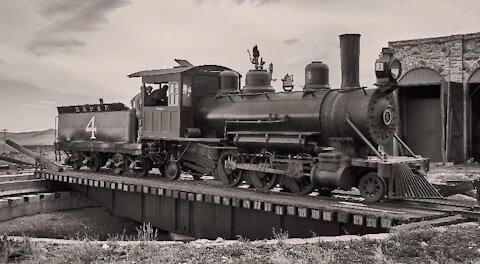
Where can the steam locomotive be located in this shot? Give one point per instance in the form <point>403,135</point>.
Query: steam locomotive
<point>316,138</point>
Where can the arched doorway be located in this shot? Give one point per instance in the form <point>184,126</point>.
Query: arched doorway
<point>420,112</point>
<point>474,102</point>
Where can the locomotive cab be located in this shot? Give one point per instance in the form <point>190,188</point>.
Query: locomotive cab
<point>180,87</point>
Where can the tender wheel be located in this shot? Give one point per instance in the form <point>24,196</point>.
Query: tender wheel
<point>158,162</point>
<point>162,169</point>
<point>172,170</point>
<point>77,161</point>
<point>77,165</point>
<point>143,166</point>
<point>118,171</point>
<point>95,162</point>
<point>120,164</point>
<point>228,176</point>
<point>325,191</point>
<point>261,180</point>
<point>301,186</point>
<point>372,188</point>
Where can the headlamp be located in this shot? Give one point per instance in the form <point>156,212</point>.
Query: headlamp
<point>387,68</point>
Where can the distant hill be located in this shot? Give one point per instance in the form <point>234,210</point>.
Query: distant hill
<point>44,137</point>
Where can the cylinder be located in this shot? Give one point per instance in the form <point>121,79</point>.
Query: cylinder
<point>229,82</point>
<point>316,76</point>
<point>349,58</point>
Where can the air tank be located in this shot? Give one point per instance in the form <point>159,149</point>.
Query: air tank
<point>229,82</point>
<point>258,81</point>
<point>316,76</point>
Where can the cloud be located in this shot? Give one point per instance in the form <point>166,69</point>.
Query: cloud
<point>241,2</point>
<point>14,89</point>
<point>78,15</point>
<point>291,41</point>
<point>257,2</point>
<point>30,106</point>
<point>44,46</point>
<point>65,19</point>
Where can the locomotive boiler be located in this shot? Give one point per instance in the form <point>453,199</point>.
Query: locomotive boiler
<point>316,138</point>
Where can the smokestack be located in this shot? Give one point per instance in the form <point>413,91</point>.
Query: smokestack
<point>350,57</point>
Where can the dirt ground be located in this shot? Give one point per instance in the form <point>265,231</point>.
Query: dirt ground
<point>92,223</point>
<point>460,172</point>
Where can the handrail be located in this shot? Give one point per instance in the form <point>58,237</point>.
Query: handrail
<point>404,145</point>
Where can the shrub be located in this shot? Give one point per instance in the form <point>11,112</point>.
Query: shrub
<point>12,250</point>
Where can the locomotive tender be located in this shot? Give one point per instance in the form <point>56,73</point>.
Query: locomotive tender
<point>316,138</point>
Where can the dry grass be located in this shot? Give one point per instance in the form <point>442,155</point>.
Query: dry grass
<point>456,244</point>
<point>14,251</point>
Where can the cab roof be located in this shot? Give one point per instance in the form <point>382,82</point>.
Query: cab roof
<point>179,70</point>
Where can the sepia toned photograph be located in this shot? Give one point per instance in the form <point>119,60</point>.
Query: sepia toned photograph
<point>239,131</point>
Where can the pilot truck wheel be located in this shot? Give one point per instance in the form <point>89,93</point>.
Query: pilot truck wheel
<point>372,187</point>
<point>172,170</point>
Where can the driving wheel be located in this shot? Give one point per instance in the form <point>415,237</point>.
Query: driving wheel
<point>226,175</point>
<point>299,186</point>
<point>261,180</point>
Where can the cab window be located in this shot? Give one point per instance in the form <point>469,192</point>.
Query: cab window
<point>173,94</point>
<point>187,91</point>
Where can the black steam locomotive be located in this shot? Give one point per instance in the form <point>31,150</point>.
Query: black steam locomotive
<point>316,138</point>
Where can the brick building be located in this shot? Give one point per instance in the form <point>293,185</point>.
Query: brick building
<point>439,96</point>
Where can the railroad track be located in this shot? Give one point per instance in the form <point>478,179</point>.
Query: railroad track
<point>22,183</point>
<point>25,194</point>
<point>466,208</point>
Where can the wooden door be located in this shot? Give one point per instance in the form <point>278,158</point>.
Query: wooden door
<point>422,120</point>
<point>455,124</point>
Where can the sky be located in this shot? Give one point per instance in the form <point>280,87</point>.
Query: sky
<point>67,52</point>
